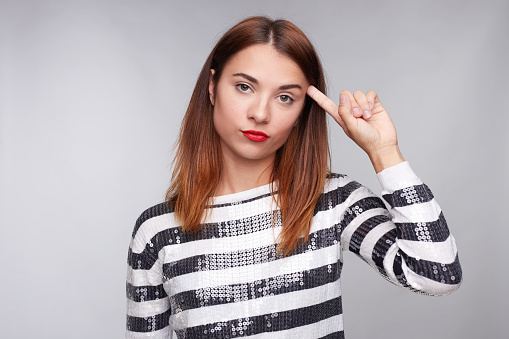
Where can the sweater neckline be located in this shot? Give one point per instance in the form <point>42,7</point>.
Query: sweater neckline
<point>243,195</point>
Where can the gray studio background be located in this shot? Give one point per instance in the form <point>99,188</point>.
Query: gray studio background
<point>91,98</point>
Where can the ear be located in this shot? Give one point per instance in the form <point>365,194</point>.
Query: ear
<point>211,86</point>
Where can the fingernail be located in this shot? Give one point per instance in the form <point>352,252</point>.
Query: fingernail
<point>371,105</point>
<point>342,99</point>
<point>367,114</point>
<point>357,112</point>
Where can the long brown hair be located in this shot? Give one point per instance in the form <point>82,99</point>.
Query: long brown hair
<point>301,165</point>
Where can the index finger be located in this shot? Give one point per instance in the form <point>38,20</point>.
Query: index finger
<point>322,100</point>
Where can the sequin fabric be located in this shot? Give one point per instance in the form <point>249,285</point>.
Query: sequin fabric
<point>228,280</point>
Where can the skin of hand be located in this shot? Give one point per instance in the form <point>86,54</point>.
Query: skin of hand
<point>366,122</point>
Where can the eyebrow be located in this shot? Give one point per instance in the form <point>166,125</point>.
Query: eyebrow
<point>253,80</point>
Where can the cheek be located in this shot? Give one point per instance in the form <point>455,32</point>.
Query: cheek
<point>291,119</point>
<point>218,120</point>
<point>289,127</point>
<point>227,110</point>
<point>221,115</point>
<point>285,128</point>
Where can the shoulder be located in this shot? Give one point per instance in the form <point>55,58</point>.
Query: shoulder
<point>340,184</point>
<point>337,189</point>
<point>152,214</point>
<point>340,188</point>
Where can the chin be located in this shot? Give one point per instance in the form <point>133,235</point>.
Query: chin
<point>256,156</point>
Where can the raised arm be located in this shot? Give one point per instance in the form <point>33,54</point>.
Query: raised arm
<point>411,244</point>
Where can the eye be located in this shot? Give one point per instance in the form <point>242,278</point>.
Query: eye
<point>285,98</point>
<point>243,87</point>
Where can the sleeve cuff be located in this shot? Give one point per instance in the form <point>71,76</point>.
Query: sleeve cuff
<point>398,177</point>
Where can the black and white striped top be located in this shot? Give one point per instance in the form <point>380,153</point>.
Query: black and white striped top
<point>228,281</point>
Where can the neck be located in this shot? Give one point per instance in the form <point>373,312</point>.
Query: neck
<point>244,174</point>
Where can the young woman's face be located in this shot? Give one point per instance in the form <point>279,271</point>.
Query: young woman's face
<point>257,102</point>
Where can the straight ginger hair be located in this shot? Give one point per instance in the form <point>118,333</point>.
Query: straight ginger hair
<point>301,165</point>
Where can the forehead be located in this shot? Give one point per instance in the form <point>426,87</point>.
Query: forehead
<point>265,63</point>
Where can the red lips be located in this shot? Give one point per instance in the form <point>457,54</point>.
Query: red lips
<point>255,135</point>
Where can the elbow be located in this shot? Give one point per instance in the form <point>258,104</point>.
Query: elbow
<point>446,289</point>
<point>437,282</point>
<point>433,288</point>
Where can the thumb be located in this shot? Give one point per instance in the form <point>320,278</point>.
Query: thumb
<point>345,110</point>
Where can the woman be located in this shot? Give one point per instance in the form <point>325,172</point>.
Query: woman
<point>250,238</point>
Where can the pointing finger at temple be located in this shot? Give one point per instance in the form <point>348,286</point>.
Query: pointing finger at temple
<point>322,100</point>
<point>327,104</point>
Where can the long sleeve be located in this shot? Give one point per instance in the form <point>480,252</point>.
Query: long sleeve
<point>148,307</point>
<point>410,245</point>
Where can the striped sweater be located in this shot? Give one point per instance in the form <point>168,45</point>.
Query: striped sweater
<point>228,280</point>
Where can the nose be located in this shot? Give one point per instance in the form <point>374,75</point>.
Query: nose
<point>259,111</point>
